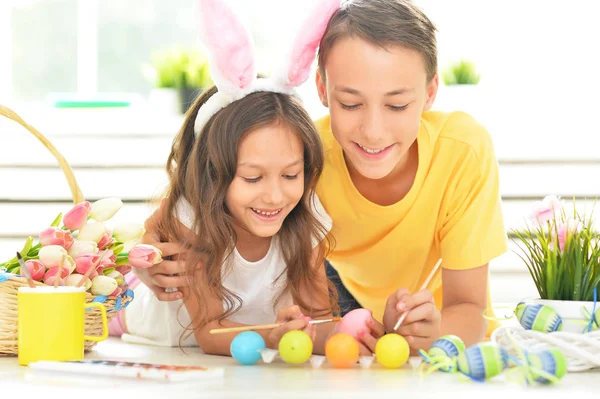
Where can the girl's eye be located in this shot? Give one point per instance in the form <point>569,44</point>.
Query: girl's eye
<point>398,107</point>
<point>291,177</point>
<point>350,107</point>
<point>251,179</point>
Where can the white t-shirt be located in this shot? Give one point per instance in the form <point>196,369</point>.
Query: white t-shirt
<point>151,321</point>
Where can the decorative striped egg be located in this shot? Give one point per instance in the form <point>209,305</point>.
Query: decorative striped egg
<point>538,317</point>
<point>484,360</point>
<point>552,361</point>
<point>448,346</point>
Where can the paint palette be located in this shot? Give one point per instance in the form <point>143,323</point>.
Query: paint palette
<point>110,368</point>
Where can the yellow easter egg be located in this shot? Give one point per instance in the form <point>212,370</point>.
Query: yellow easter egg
<point>392,351</point>
<point>295,347</point>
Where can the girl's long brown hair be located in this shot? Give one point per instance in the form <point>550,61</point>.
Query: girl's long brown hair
<point>200,170</point>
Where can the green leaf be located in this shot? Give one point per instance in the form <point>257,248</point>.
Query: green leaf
<point>117,249</point>
<point>108,270</point>
<point>122,261</point>
<point>57,221</point>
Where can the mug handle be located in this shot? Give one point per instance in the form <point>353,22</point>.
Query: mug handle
<point>104,323</point>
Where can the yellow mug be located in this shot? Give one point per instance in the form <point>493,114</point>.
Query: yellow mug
<point>51,323</point>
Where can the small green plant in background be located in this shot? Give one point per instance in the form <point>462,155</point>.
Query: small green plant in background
<point>461,73</point>
<point>178,69</point>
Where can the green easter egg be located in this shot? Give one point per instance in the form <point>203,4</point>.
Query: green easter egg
<point>538,317</point>
<point>552,361</point>
<point>482,361</point>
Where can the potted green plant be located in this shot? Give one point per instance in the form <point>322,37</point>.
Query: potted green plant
<point>178,75</point>
<point>194,78</point>
<point>461,73</point>
<point>460,90</point>
<point>561,250</point>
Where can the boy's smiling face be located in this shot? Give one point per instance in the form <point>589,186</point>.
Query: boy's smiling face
<point>375,96</point>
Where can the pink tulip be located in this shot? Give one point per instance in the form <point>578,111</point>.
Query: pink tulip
<point>569,227</point>
<point>117,292</point>
<point>77,216</point>
<point>123,269</point>
<point>84,262</point>
<point>36,269</point>
<point>109,259</point>
<point>106,240</point>
<point>56,236</point>
<point>545,210</point>
<point>53,271</point>
<point>50,281</point>
<point>144,256</point>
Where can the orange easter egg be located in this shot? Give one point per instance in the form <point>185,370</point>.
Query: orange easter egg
<point>342,351</point>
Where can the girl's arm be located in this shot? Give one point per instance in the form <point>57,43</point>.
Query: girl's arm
<point>218,344</point>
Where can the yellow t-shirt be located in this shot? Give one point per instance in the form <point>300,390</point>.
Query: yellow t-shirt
<point>453,211</point>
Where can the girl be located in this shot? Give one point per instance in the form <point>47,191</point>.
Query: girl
<point>240,202</point>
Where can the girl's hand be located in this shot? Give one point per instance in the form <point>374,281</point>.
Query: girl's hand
<point>165,278</point>
<point>294,320</point>
<point>421,327</point>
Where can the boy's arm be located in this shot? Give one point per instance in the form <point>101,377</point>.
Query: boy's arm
<point>464,301</point>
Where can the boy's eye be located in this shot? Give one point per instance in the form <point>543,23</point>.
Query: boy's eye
<point>397,107</point>
<point>349,107</point>
<point>251,179</point>
<point>291,177</point>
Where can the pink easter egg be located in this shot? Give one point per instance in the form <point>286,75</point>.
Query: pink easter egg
<point>354,321</point>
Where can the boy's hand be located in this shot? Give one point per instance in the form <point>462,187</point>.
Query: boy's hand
<point>421,327</point>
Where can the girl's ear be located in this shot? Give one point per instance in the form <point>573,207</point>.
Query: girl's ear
<point>296,67</point>
<point>229,44</point>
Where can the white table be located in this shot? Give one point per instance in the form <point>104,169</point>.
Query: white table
<point>275,380</point>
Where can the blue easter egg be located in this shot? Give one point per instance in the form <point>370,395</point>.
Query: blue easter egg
<point>246,347</point>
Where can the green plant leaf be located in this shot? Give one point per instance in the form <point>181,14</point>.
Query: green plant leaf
<point>57,221</point>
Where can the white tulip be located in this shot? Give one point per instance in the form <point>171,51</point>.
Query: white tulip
<point>128,232</point>
<point>117,276</point>
<point>91,232</point>
<point>102,285</point>
<point>80,247</point>
<point>74,279</point>
<point>52,255</point>
<point>70,264</point>
<point>104,209</point>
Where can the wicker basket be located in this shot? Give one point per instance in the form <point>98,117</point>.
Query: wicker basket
<point>9,284</point>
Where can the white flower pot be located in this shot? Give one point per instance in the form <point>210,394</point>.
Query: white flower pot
<point>165,101</point>
<point>571,312</point>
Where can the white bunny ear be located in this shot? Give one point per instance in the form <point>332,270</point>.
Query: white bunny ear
<point>229,44</point>
<point>296,68</point>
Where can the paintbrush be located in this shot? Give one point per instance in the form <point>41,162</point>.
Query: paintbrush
<point>58,275</point>
<point>424,286</point>
<point>268,326</point>
<point>25,271</point>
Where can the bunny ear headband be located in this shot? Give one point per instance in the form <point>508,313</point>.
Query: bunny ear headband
<point>231,54</point>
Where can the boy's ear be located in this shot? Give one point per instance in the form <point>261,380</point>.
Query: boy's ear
<point>321,88</point>
<point>432,88</point>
